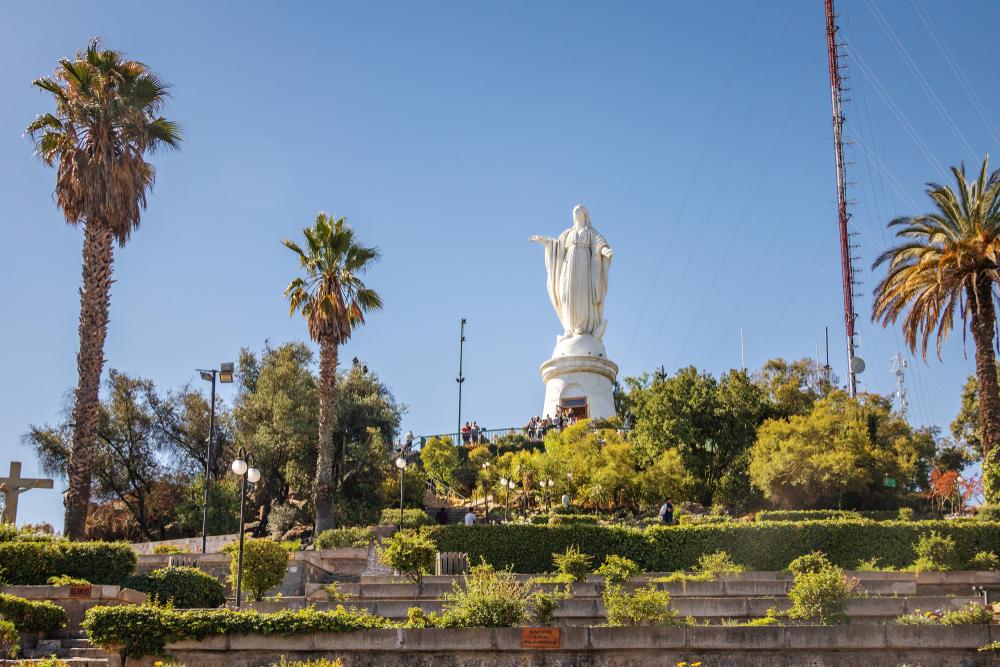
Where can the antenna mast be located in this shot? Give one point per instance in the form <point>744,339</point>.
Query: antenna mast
<point>854,365</point>
<point>897,364</point>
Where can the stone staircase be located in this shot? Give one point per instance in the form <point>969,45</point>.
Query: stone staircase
<point>73,648</point>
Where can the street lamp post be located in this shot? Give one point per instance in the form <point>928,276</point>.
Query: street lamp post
<point>546,484</point>
<point>225,375</point>
<point>243,466</point>
<point>401,464</point>
<point>486,488</point>
<point>507,485</point>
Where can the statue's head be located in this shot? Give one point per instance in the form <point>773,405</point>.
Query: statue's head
<point>581,216</point>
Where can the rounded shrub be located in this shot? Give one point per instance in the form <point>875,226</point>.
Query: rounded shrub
<point>617,570</point>
<point>489,599</point>
<point>820,596</point>
<point>935,552</point>
<point>9,640</point>
<point>32,615</point>
<point>984,560</point>
<point>183,587</point>
<point>573,563</point>
<point>335,538</point>
<point>412,518</point>
<point>410,553</point>
<point>809,563</point>
<point>264,565</point>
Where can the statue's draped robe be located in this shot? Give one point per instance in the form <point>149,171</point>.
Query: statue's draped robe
<point>578,279</point>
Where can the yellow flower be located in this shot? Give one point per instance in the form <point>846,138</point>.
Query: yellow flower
<point>158,663</point>
<point>682,664</point>
<point>696,664</point>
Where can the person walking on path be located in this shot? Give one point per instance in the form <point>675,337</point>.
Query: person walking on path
<point>470,517</point>
<point>667,512</point>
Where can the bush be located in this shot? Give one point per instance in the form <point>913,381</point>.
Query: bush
<point>169,549</point>
<point>644,606</point>
<point>718,564</point>
<point>760,545</point>
<point>489,599</point>
<point>988,513</point>
<point>570,519</point>
<point>970,614</point>
<point>10,641</point>
<point>905,514</point>
<point>264,565</point>
<point>984,560</point>
<point>617,570</point>
<point>410,553</point>
<point>32,615</point>
<point>31,563</point>
<point>810,563</point>
<point>137,631</point>
<point>573,563</point>
<point>805,515</point>
<point>412,518</point>
<point>183,587</point>
<point>336,538</point>
<point>821,596</point>
<point>63,580</point>
<point>935,553</point>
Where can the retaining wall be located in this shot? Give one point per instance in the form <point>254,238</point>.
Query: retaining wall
<point>839,646</point>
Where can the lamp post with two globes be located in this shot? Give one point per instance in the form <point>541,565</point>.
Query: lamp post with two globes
<point>243,466</point>
<point>546,485</point>
<point>401,464</point>
<point>507,484</point>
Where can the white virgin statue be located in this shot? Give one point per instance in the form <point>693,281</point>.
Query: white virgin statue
<point>577,264</point>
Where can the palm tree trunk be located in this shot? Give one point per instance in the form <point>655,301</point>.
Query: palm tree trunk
<point>95,298</point>
<point>327,430</point>
<point>983,327</point>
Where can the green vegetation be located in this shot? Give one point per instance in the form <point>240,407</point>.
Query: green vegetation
<point>943,267</point>
<point>181,587</point>
<point>169,549</point>
<point>336,538</point>
<point>643,606</point>
<point>970,614</point>
<point>440,460</point>
<point>984,560</point>
<point>318,662</point>
<point>137,631</point>
<point>488,598</point>
<point>106,120</point>
<point>757,545</point>
<point>412,518</point>
<point>410,553</point>
<point>10,641</point>
<point>617,570</point>
<point>809,564</point>
<point>32,563</point>
<point>63,580</point>
<point>264,564</point>
<point>333,300</point>
<point>935,553</point>
<point>32,615</point>
<point>572,563</point>
<point>820,592</point>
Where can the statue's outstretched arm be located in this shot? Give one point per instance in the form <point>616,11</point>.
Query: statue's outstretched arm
<point>539,239</point>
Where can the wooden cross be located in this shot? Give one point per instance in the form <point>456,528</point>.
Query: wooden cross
<point>13,486</point>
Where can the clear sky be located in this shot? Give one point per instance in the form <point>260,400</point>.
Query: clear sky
<point>697,133</point>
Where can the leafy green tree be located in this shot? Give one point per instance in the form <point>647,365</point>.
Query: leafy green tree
<point>106,120</point>
<point>966,426</point>
<point>710,422</point>
<point>333,299</point>
<point>946,265</point>
<point>839,454</point>
<point>440,460</point>
<point>793,387</point>
<point>275,419</point>
<point>139,462</point>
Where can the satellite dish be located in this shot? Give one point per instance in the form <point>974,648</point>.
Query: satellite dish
<point>857,365</point>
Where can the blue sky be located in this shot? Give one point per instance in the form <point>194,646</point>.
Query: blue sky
<point>698,134</point>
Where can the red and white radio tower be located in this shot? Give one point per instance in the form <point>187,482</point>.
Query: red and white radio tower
<point>854,364</point>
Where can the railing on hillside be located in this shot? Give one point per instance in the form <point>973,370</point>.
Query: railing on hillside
<point>493,436</point>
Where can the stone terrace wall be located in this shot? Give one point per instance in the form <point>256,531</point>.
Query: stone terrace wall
<point>839,646</point>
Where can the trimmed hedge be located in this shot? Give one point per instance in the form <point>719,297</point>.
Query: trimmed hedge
<point>32,563</point>
<point>412,518</point>
<point>184,587</point>
<point>137,631</point>
<point>335,538</point>
<point>32,615</point>
<point>760,545</point>
<point>823,515</point>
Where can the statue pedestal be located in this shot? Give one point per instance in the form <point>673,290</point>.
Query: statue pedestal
<point>579,369</point>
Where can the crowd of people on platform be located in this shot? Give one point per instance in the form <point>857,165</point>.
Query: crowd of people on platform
<point>472,433</point>
<point>538,426</point>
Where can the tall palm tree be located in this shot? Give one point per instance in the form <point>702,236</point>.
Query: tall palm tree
<point>945,266</point>
<point>106,120</point>
<point>334,300</point>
